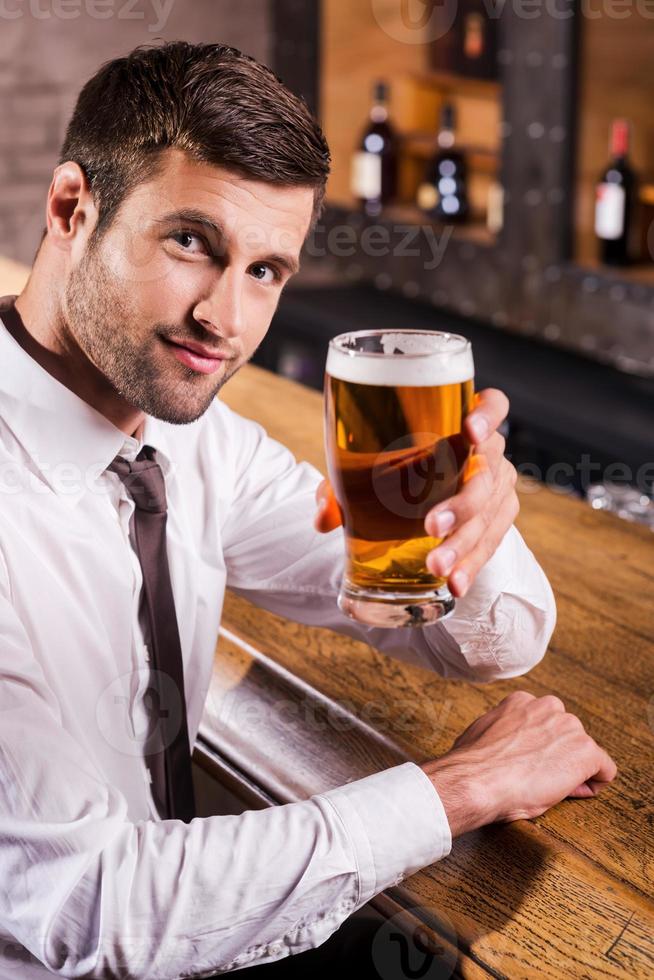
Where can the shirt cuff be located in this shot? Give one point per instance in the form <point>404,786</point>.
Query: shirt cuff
<point>503,624</point>
<point>396,822</point>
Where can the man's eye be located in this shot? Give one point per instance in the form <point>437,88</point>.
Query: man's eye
<point>189,242</point>
<point>264,273</point>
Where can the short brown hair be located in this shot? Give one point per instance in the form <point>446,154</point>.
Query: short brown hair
<point>212,101</point>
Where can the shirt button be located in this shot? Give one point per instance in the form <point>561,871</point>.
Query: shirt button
<point>146,653</point>
<point>148,776</point>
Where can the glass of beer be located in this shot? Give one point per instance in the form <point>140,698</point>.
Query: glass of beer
<point>395,401</point>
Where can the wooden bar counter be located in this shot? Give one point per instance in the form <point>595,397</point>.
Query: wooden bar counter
<point>293,711</point>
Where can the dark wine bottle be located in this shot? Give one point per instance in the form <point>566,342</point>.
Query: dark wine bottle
<point>443,194</point>
<point>465,38</point>
<point>478,40</point>
<point>615,201</point>
<point>374,166</point>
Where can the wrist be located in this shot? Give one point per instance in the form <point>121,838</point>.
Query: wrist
<point>459,783</point>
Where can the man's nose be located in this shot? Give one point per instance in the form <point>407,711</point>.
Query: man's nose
<point>221,312</point>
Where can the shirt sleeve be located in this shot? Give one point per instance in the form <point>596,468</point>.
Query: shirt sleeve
<point>276,559</point>
<point>89,893</point>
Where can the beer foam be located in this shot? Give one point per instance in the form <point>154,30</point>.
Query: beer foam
<point>425,359</point>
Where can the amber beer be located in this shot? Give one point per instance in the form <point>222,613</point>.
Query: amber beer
<point>394,409</point>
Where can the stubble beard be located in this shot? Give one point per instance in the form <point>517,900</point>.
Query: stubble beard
<point>103,324</point>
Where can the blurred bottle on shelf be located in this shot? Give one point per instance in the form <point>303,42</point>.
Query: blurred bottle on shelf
<point>375,164</point>
<point>467,43</point>
<point>478,41</point>
<point>495,207</point>
<point>615,204</point>
<point>443,193</point>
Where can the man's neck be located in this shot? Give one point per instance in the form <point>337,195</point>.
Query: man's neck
<point>37,327</point>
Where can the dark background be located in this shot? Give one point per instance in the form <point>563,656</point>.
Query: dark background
<point>573,345</point>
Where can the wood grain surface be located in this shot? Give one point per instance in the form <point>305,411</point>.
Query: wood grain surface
<point>297,710</point>
<point>294,710</point>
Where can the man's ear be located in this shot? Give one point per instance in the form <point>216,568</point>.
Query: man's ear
<point>71,213</point>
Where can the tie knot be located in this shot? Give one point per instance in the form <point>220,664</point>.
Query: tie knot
<point>143,480</point>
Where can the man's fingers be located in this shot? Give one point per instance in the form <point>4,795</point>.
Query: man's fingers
<point>328,516</point>
<point>492,450</point>
<point>491,408</point>
<point>603,771</point>
<point>327,519</point>
<point>457,545</point>
<point>585,791</point>
<point>592,787</point>
<point>466,550</point>
<point>606,769</point>
<point>468,502</point>
<point>467,565</point>
<point>481,483</point>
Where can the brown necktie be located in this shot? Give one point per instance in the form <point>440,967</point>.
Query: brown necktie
<point>169,754</point>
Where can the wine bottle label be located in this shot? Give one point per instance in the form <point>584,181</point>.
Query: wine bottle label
<point>609,211</point>
<point>427,197</point>
<point>367,176</point>
<point>495,208</point>
<point>473,36</point>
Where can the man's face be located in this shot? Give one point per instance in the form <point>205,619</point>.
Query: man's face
<point>198,255</point>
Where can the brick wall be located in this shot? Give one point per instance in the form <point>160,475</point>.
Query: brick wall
<point>48,49</point>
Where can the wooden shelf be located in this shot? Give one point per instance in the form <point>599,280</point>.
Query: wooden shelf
<point>356,52</point>
<point>531,120</point>
<point>473,231</point>
<point>480,159</point>
<point>450,82</point>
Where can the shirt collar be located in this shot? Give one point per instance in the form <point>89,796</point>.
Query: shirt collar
<point>69,442</point>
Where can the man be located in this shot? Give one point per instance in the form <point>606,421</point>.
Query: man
<point>188,180</point>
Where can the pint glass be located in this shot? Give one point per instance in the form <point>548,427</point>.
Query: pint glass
<point>395,402</point>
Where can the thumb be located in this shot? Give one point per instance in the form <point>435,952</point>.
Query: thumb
<point>328,516</point>
<point>590,788</point>
<point>582,792</point>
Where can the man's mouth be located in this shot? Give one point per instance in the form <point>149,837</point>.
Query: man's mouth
<point>196,356</point>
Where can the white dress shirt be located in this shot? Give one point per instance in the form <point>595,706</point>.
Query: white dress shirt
<point>92,882</point>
